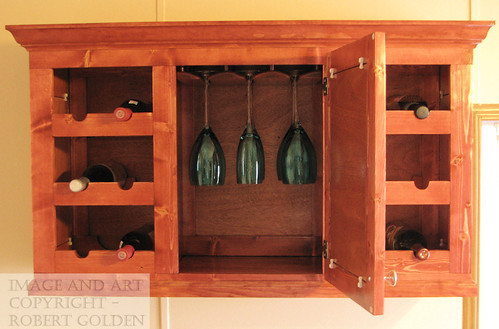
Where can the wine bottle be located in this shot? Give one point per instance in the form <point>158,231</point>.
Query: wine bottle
<point>126,109</point>
<point>102,172</point>
<point>140,239</point>
<point>400,237</point>
<point>410,103</point>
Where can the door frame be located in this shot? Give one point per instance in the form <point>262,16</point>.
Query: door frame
<point>481,113</point>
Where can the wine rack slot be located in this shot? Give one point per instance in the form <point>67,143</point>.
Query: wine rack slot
<point>431,220</point>
<point>417,157</point>
<point>430,83</point>
<point>83,229</point>
<point>101,90</point>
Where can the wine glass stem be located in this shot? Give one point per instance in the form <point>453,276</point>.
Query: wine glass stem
<point>249,123</point>
<point>295,118</point>
<point>206,84</point>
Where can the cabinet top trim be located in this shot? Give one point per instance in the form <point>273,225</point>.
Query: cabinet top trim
<point>248,33</point>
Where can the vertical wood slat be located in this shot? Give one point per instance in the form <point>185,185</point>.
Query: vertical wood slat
<point>326,163</point>
<point>62,153</point>
<point>461,149</point>
<point>430,158</point>
<point>78,103</point>
<point>42,168</point>
<point>165,169</point>
<point>376,160</point>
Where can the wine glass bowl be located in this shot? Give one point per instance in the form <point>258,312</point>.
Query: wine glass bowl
<point>250,163</point>
<point>296,162</point>
<point>207,160</point>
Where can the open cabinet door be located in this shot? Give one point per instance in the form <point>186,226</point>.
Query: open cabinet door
<point>354,169</point>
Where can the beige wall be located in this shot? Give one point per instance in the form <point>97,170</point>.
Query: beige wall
<point>15,210</point>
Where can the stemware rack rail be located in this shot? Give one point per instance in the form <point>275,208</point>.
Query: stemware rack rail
<point>289,70</point>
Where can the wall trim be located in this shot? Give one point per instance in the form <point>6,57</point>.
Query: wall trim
<point>481,112</point>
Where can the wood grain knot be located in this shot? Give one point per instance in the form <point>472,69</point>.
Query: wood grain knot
<point>458,160</point>
<point>378,70</point>
<point>463,236</point>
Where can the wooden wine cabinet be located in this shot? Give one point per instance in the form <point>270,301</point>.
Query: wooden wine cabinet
<point>325,239</point>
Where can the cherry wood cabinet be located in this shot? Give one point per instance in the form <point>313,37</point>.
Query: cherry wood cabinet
<point>325,239</point>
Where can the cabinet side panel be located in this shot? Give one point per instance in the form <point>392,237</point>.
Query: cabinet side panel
<point>42,169</point>
<point>461,156</point>
<point>165,169</point>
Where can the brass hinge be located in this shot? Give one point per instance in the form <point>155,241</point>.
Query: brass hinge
<point>325,86</point>
<point>325,249</point>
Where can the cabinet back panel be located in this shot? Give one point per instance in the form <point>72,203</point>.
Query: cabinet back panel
<point>134,153</point>
<point>410,157</point>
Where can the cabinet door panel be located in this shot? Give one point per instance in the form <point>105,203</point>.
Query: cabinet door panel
<point>355,171</point>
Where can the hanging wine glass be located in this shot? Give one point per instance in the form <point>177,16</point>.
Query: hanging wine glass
<point>296,159</point>
<point>207,160</point>
<point>250,164</point>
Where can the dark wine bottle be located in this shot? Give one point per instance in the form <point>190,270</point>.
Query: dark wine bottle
<point>400,237</point>
<point>410,103</point>
<point>140,239</point>
<point>126,109</point>
<point>102,172</point>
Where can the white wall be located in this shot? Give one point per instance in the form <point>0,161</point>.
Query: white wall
<point>489,224</point>
<point>485,62</point>
<point>15,190</point>
<point>261,313</point>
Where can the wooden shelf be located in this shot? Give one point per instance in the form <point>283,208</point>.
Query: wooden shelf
<point>240,245</point>
<point>431,277</point>
<point>103,261</point>
<point>406,193</point>
<point>99,194</point>
<point>101,124</point>
<point>405,122</point>
<point>257,267</point>
<point>404,262</point>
